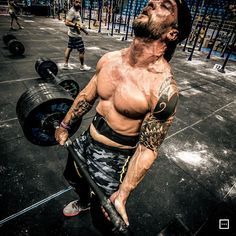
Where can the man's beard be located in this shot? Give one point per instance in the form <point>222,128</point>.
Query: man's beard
<point>77,7</point>
<point>148,30</point>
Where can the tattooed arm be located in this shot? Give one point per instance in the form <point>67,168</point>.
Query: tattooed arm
<point>153,132</point>
<point>81,105</point>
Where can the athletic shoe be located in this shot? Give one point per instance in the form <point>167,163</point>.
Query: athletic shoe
<point>65,66</point>
<point>21,27</point>
<point>73,208</point>
<point>84,67</point>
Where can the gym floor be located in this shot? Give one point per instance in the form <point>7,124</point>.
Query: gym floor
<point>189,190</point>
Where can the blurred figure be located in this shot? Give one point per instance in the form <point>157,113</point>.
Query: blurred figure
<point>13,9</point>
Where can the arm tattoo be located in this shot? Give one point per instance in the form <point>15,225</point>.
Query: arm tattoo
<point>155,127</point>
<point>167,101</point>
<point>153,132</point>
<point>77,112</point>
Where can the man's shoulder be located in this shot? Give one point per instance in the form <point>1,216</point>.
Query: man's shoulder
<point>72,11</point>
<point>109,57</point>
<point>112,55</point>
<point>167,99</point>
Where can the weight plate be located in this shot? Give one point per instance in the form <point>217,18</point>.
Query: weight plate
<point>71,86</point>
<point>40,109</point>
<point>7,38</point>
<point>16,47</point>
<point>42,66</point>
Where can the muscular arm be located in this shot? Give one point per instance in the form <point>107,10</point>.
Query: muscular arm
<point>153,132</point>
<point>69,22</point>
<point>85,99</point>
<point>81,105</point>
<point>83,102</point>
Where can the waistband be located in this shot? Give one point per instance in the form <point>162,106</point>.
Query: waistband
<point>103,128</point>
<point>86,137</point>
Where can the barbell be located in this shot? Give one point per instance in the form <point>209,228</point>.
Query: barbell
<point>40,110</point>
<point>47,69</point>
<point>14,45</point>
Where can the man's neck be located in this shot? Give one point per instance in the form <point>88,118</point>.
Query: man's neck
<point>143,52</point>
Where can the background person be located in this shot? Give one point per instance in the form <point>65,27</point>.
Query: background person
<point>13,9</point>
<point>74,22</point>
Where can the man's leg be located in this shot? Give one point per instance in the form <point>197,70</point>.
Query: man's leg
<point>83,66</point>
<point>106,167</point>
<point>67,56</point>
<point>11,21</point>
<point>81,187</point>
<point>81,58</point>
<point>81,50</point>
<point>17,22</point>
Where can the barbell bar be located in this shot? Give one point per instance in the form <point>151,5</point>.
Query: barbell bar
<point>47,69</point>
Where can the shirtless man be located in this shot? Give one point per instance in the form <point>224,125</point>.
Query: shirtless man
<point>137,103</point>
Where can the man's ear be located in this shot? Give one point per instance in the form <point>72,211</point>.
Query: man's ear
<point>172,35</point>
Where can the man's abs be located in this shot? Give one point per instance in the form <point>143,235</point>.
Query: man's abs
<point>102,132</point>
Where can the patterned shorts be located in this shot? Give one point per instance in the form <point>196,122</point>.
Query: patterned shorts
<point>106,165</point>
<point>76,43</point>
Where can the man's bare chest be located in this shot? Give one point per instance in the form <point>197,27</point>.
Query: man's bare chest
<point>129,90</point>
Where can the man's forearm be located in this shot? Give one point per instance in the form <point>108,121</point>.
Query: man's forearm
<point>138,166</point>
<point>82,103</point>
<point>70,23</point>
<point>79,108</point>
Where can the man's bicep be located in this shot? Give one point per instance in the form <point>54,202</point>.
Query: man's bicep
<point>167,100</point>
<point>157,123</point>
<point>153,132</point>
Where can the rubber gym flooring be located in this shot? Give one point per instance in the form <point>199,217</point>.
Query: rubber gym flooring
<point>189,190</point>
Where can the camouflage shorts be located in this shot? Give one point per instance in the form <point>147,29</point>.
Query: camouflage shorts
<point>106,165</point>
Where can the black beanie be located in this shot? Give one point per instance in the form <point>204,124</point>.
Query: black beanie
<point>184,28</point>
<point>184,20</point>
